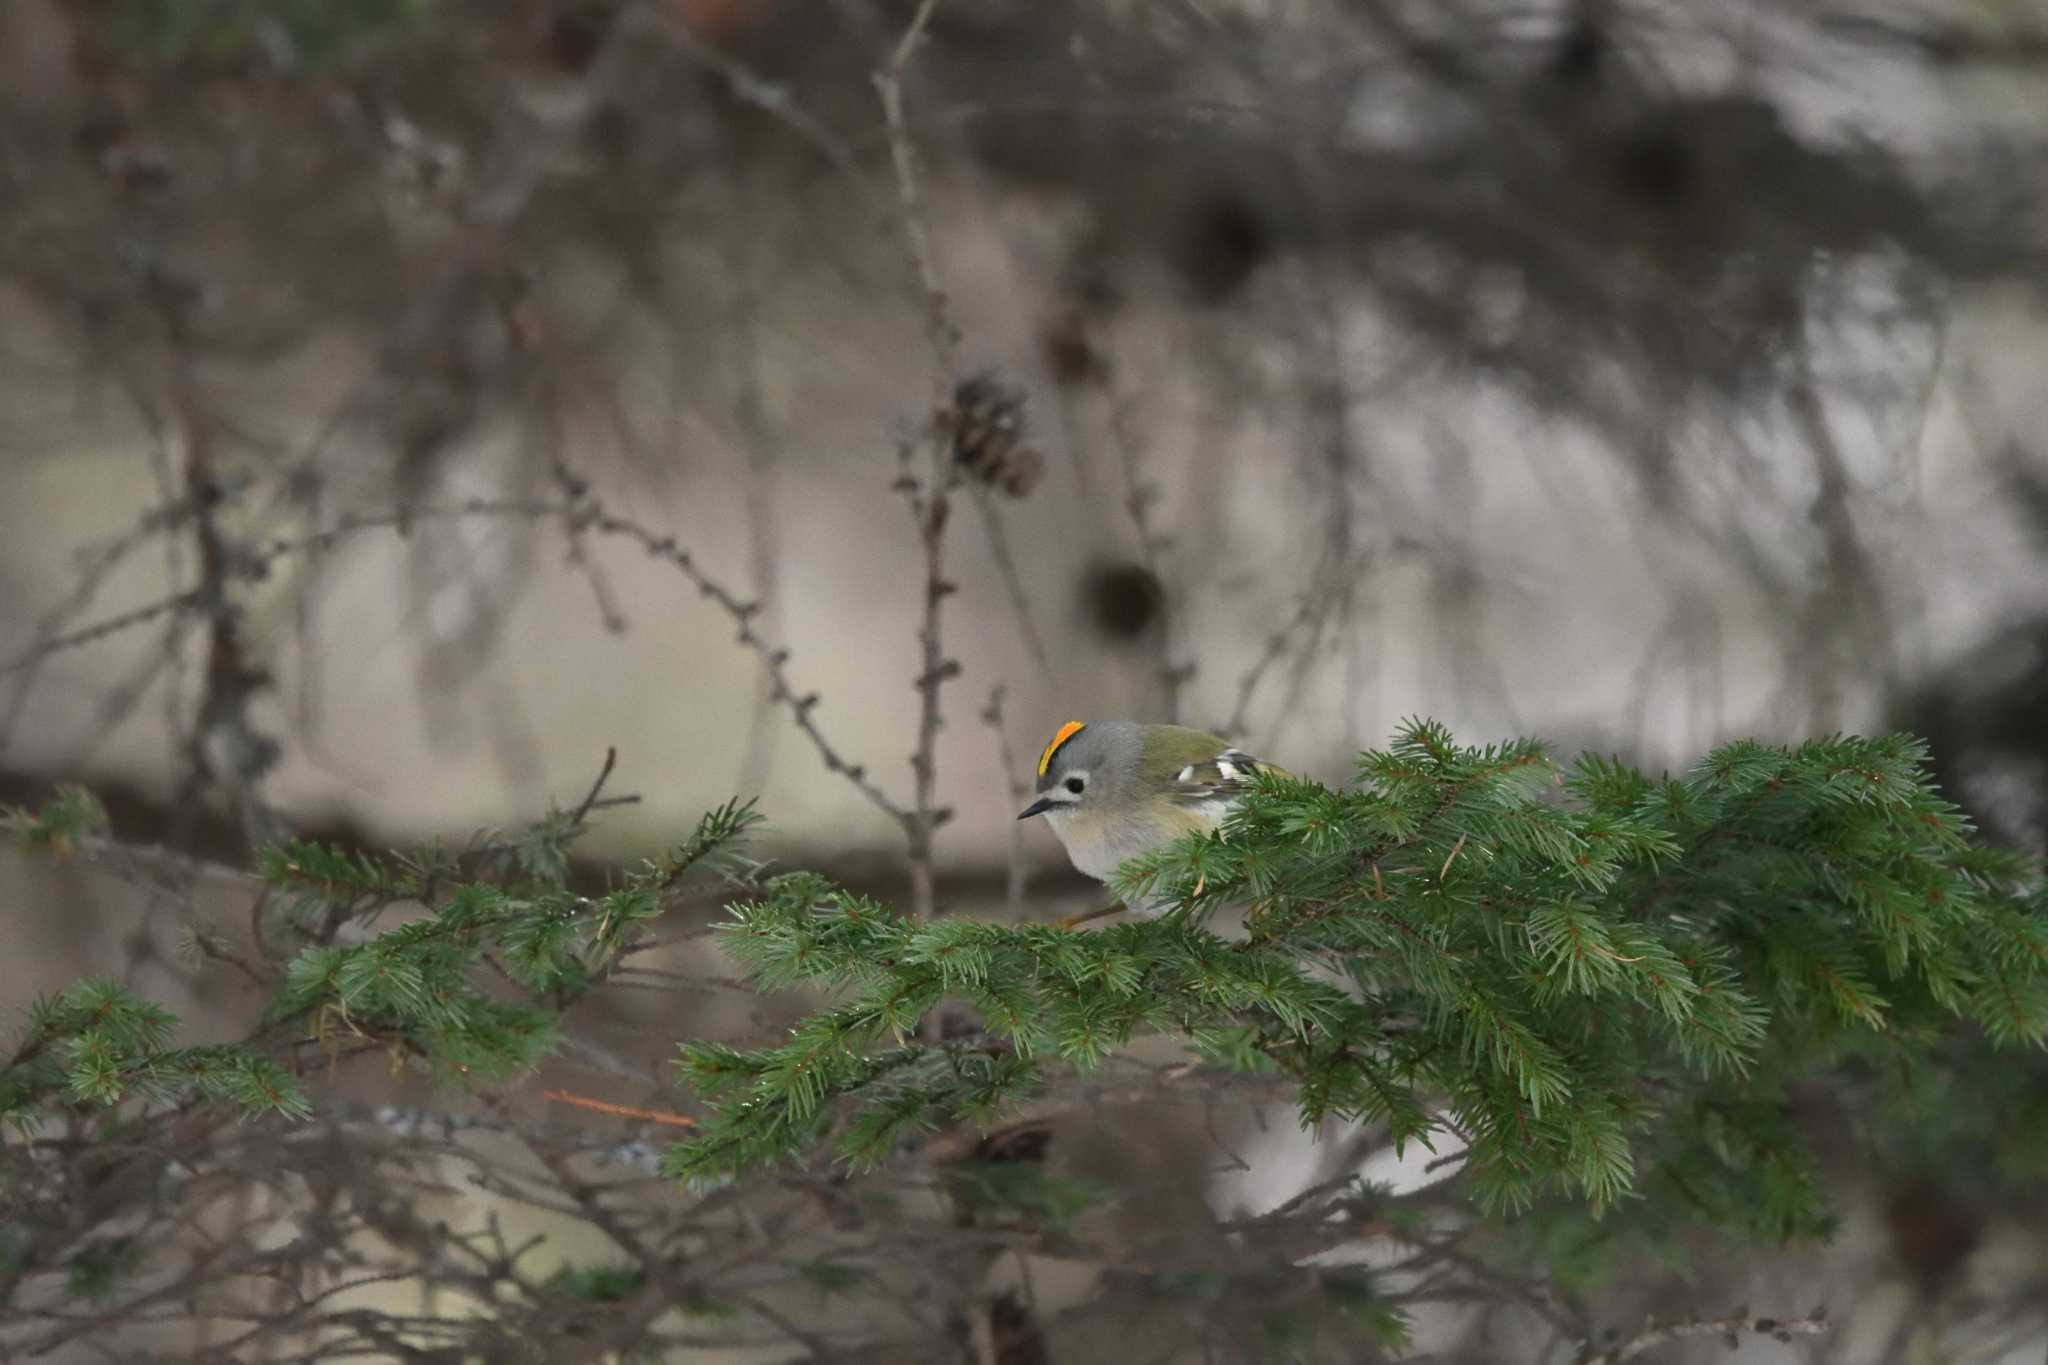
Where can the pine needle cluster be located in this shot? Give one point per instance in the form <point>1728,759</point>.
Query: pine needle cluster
<point>428,991</point>
<point>99,1043</point>
<point>420,988</point>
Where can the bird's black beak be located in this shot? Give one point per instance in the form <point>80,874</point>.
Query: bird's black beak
<point>1038,807</point>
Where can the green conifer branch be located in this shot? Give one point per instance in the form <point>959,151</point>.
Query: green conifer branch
<point>419,988</point>
<point>1591,977</point>
<point>99,1044</point>
<point>1596,982</point>
<point>500,909</point>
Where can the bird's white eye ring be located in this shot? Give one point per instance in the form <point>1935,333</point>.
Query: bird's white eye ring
<point>1075,784</point>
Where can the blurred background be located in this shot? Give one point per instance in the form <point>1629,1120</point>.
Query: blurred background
<point>1636,375</point>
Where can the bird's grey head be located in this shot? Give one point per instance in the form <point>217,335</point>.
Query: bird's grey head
<point>1085,764</point>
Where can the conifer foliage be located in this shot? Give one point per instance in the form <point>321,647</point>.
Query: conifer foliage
<point>99,1043</point>
<point>1585,977</point>
<point>420,991</point>
<point>1590,983</point>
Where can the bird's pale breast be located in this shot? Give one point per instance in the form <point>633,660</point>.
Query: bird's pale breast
<point>1098,844</point>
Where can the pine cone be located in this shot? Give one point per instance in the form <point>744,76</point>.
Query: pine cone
<point>986,424</point>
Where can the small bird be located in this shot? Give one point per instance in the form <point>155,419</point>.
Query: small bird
<point>1113,789</point>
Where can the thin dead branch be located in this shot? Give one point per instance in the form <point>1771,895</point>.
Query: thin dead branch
<point>1730,1330</point>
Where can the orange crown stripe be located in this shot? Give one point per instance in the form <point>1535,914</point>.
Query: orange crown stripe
<point>1066,732</point>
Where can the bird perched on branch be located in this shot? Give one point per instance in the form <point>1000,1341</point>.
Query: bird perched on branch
<point>1113,789</point>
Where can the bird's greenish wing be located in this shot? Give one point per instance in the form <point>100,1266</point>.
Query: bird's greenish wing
<point>1223,778</point>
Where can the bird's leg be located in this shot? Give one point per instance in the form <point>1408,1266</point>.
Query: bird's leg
<point>1074,921</point>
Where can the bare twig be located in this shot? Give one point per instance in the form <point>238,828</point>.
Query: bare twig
<point>608,612</point>
<point>611,758</point>
<point>1077,920</point>
<point>800,705</point>
<point>1450,858</point>
<point>211,948</point>
<point>171,658</point>
<point>225,749</point>
<point>96,565</point>
<point>624,1111</point>
<point>960,1278</point>
<point>939,328</point>
<point>930,508</point>
<point>584,515</point>
<point>929,500</point>
<point>1248,682</point>
<point>1654,1334</point>
<point>100,630</point>
<point>749,87</point>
